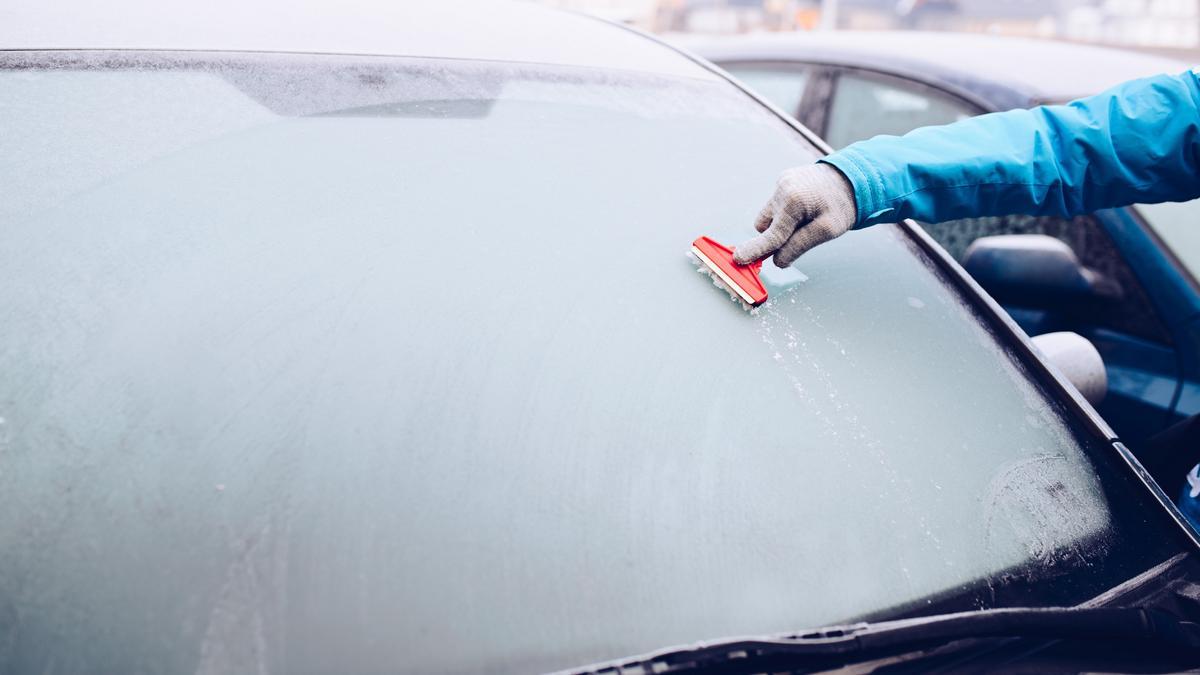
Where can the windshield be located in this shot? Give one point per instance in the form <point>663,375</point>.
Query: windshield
<point>341,364</point>
<point>1178,224</point>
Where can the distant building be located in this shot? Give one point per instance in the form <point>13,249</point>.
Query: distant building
<point>1157,23</point>
<point>1136,23</point>
<point>1144,23</point>
<point>736,16</point>
<point>634,12</point>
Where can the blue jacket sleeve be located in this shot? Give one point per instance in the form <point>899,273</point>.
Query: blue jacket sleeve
<point>1137,142</point>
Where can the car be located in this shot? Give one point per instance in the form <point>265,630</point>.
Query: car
<point>362,337</point>
<point>848,86</point>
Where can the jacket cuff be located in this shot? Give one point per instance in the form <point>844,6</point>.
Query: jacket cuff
<point>870,202</point>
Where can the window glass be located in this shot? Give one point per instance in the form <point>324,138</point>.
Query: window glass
<point>1178,224</point>
<point>863,107</point>
<point>364,364</point>
<point>1132,314</point>
<point>782,86</point>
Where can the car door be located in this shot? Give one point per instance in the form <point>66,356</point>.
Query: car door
<point>1167,238</point>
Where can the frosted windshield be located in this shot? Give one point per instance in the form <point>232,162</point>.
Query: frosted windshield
<point>331,364</point>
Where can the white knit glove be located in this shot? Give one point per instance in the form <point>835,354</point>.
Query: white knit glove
<point>811,205</point>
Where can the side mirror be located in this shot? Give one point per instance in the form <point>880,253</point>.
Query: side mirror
<point>1076,358</point>
<point>1035,270</point>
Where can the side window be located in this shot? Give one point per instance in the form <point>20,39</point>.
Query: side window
<point>866,105</point>
<point>1132,314</point>
<point>781,85</point>
<point>1177,224</point>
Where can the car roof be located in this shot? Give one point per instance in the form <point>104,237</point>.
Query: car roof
<point>968,60</point>
<point>494,30</point>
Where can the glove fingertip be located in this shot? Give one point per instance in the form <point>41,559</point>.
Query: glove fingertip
<point>751,250</point>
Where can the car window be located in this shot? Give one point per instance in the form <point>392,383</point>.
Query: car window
<point>1131,314</point>
<point>1178,224</point>
<point>863,106</point>
<point>356,364</point>
<point>781,85</point>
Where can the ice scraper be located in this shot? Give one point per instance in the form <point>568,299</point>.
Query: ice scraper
<point>741,280</point>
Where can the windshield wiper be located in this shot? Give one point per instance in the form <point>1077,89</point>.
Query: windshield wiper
<point>859,642</point>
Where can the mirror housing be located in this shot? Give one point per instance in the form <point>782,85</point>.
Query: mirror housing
<point>1077,359</point>
<point>1035,270</point>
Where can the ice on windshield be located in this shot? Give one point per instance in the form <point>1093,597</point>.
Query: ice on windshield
<point>330,392</point>
<point>65,131</point>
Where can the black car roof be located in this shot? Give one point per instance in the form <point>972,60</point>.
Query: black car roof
<point>1002,71</point>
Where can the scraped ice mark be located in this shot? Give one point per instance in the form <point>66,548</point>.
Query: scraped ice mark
<point>236,637</point>
<point>791,328</point>
<point>716,281</point>
<point>5,442</point>
<point>915,303</point>
<point>235,640</point>
<point>9,630</point>
<point>800,364</point>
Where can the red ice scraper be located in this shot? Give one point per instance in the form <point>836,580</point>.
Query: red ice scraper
<point>741,279</point>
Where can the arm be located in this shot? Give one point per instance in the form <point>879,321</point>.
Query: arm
<point>1137,142</point>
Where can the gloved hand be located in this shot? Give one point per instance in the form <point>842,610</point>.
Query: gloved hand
<point>811,205</point>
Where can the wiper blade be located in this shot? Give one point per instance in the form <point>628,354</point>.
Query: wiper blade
<point>837,645</point>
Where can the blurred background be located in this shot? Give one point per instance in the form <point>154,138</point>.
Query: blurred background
<point>1169,27</point>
